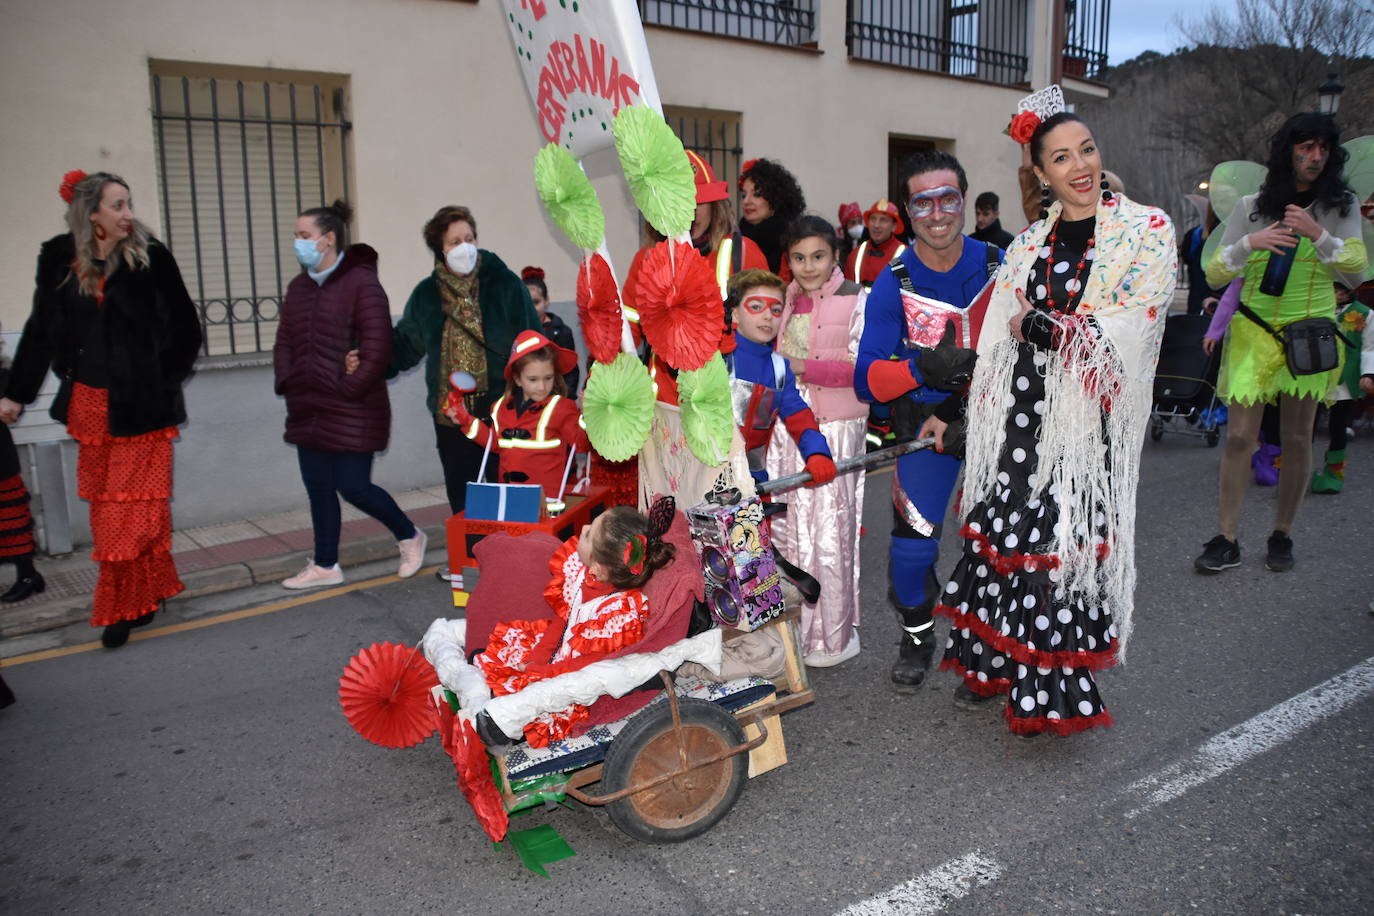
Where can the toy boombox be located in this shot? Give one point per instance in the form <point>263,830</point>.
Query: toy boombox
<point>743,586</point>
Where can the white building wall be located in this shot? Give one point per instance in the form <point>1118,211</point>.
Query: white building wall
<point>440,116</point>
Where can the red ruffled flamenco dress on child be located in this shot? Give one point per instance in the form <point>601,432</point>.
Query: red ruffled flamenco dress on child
<point>594,620</point>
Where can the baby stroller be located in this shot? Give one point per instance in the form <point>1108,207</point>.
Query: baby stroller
<point>1186,383</point>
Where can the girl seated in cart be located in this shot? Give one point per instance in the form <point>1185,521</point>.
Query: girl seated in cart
<point>596,593</point>
<point>535,423</point>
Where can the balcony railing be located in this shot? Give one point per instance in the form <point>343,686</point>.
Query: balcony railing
<point>1085,38</point>
<point>981,39</point>
<point>780,22</point>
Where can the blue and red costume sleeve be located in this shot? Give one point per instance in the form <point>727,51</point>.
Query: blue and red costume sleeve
<point>800,420</point>
<point>878,377</point>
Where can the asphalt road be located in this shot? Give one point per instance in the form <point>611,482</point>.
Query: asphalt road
<point>211,771</point>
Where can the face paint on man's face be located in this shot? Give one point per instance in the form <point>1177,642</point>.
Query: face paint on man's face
<point>932,202</point>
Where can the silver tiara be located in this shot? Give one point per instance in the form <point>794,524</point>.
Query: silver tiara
<point>1048,101</point>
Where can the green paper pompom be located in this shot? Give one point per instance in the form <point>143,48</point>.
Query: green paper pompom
<point>703,395</point>
<point>569,197</point>
<point>656,168</point>
<point>1359,168</point>
<point>618,407</point>
<point>1230,181</point>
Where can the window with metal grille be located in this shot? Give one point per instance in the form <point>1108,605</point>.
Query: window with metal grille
<point>981,39</point>
<point>716,136</point>
<point>779,22</point>
<point>240,152</point>
<point>1085,38</point>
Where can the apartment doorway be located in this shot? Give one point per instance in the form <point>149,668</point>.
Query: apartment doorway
<point>898,149</point>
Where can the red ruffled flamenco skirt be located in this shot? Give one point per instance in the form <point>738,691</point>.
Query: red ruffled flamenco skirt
<point>128,482</point>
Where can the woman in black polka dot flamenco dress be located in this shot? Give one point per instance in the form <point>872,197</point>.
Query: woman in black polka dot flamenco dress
<point>1041,597</point>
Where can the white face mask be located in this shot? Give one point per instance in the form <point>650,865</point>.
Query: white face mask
<point>462,258</point>
<point>855,230</point>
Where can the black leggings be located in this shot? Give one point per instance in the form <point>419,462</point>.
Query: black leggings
<point>1339,416</point>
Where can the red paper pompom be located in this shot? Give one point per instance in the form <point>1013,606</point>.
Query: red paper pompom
<point>475,780</point>
<point>1023,126</point>
<point>69,182</point>
<point>385,695</point>
<point>679,305</point>
<point>598,308</point>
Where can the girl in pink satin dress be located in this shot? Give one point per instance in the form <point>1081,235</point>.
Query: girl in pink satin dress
<point>819,335</point>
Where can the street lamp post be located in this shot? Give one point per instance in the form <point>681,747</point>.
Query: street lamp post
<point>1329,95</point>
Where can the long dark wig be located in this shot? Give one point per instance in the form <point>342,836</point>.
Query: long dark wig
<point>1280,186</point>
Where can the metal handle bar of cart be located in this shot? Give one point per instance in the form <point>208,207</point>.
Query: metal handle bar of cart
<point>868,462</point>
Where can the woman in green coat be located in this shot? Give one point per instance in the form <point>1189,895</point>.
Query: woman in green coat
<point>463,316</point>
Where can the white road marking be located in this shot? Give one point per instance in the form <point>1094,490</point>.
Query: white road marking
<point>931,892</point>
<point>1253,737</point>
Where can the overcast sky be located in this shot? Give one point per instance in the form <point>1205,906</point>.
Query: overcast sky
<point>1148,25</point>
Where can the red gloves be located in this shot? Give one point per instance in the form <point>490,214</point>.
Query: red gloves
<point>822,469</point>
<point>456,410</point>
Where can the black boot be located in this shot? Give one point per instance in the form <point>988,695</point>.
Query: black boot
<point>6,695</point>
<point>24,587</point>
<point>116,634</point>
<point>917,649</point>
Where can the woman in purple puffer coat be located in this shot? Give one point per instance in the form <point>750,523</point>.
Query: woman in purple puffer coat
<point>337,419</point>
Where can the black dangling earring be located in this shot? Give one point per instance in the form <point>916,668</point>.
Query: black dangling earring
<point>1044,201</point>
<point>1106,189</point>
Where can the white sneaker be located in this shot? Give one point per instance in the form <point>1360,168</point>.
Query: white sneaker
<point>314,576</point>
<point>412,554</point>
<point>820,659</point>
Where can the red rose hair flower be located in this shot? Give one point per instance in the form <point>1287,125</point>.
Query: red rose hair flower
<point>1023,125</point>
<point>598,308</point>
<point>679,305</point>
<point>67,189</point>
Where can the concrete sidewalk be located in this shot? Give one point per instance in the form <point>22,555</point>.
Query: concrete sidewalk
<point>228,557</point>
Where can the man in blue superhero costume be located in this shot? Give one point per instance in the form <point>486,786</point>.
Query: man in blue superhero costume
<point>916,381</point>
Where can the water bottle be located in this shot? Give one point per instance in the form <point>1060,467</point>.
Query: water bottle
<point>1276,272</point>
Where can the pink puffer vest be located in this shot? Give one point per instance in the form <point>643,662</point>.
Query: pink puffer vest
<point>828,382</point>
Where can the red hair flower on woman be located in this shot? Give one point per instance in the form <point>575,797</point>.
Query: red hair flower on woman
<point>69,182</point>
<point>1022,126</point>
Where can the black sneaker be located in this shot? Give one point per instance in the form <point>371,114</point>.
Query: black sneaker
<point>1280,556</point>
<point>1218,554</point>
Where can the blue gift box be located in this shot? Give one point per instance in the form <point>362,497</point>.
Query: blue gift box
<point>505,502</point>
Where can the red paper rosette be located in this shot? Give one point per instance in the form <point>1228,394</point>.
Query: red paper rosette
<point>385,694</point>
<point>679,305</point>
<point>598,308</point>
<point>473,766</point>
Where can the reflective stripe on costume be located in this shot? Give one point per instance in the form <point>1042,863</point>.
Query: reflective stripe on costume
<point>540,431</point>
<point>727,249</point>
<point>859,259</point>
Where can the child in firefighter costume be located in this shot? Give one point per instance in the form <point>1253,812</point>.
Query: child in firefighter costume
<point>534,423</point>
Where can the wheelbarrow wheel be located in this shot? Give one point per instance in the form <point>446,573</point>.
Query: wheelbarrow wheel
<point>1213,436</point>
<point>687,805</point>
<point>1156,429</point>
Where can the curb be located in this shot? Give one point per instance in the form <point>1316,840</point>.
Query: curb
<point>63,612</point>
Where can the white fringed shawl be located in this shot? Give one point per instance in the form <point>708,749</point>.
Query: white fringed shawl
<point>1107,358</point>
